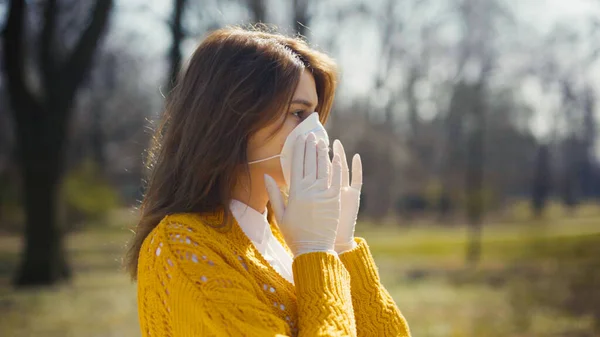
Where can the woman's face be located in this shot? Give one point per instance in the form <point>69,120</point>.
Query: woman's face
<point>262,145</point>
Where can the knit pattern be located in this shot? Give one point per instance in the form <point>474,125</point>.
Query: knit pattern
<point>374,309</point>
<point>200,277</point>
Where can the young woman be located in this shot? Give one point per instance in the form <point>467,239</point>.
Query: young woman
<point>219,250</point>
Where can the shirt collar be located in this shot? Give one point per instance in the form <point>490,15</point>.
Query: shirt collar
<point>253,223</point>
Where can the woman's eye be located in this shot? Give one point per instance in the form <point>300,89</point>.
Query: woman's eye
<point>298,113</point>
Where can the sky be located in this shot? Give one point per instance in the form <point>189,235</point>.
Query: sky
<point>544,15</point>
<point>359,37</point>
<point>358,43</point>
<point>358,46</point>
<point>359,54</point>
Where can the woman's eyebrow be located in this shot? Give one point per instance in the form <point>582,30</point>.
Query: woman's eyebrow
<point>303,102</point>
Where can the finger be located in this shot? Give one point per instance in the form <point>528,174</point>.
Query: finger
<point>336,174</point>
<point>297,162</point>
<point>323,163</point>
<point>338,148</point>
<point>357,174</point>
<point>310,158</point>
<point>275,197</point>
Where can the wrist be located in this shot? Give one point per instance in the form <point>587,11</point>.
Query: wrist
<point>304,247</point>
<point>341,248</point>
<point>306,251</point>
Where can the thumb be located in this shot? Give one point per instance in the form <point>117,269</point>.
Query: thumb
<point>275,198</point>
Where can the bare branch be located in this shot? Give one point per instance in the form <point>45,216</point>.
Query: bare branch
<point>76,65</point>
<point>301,16</point>
<point>177,36</point>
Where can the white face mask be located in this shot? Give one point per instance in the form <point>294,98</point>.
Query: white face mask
<point>310,124</point>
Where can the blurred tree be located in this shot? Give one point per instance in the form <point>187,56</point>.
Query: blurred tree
<point>177,36</point>
<point>573,136</point>
<point>379,145</point>
<point>474,171</point>
<point>510,146</point>
<point>475,62</point>
<point>573,145</point>
<point>378,151</point>
<point>111,115</point>
<point>96,135</point>
<point>258,10</point>
<point>570,189</point>
<point>541,180</point>
<point>42,117</point>
<point>301,16</point>
<point>9,175</point>
<point>588,179</point>
<point>6,150</point>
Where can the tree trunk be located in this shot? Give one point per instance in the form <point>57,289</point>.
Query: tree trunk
<point>475,197</point>
<point>43,261</point>
<point>97,139</point>
<point>41,120</point>
<point>474,178</point>
<point>452,149</point>
<point>259,10</point>
<point>541,181</point>
<point>177,38</point>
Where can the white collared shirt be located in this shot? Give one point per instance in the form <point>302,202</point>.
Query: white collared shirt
<point>256,227</point>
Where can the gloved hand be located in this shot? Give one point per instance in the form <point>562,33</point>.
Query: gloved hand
<point>350,199</point>
<point>310,220</point>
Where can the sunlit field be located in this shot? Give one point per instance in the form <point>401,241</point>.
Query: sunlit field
<point>422,266</point>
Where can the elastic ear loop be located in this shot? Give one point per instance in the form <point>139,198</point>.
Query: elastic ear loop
<point>264,159</point>
<point>329,150</point>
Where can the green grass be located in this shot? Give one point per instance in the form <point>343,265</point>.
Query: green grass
<point>422,267</point>
<point>424,270</point>
<point>97,303</point>
<point>99,300</point>
<point>500,240</point>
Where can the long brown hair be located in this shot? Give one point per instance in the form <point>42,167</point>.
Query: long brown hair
<point>237,82</point>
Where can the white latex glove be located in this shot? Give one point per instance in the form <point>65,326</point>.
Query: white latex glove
<point>310,220</point>
<point>350,199</point>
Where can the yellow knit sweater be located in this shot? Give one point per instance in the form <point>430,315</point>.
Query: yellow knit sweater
<point>198,280</point>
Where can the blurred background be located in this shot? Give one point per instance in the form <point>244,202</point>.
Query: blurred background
<point>477,122</point>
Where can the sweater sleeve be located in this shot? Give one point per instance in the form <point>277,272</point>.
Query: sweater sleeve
<point>375,311</point>
<point>198,293</point>
<point>323,295</point>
